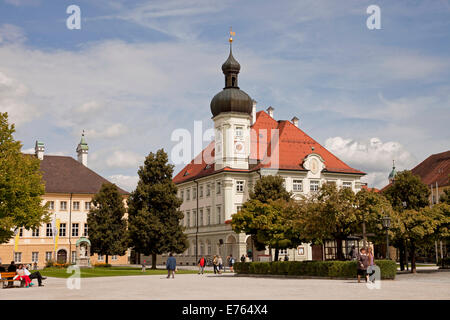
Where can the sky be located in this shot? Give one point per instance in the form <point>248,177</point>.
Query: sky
<point>138,70</point>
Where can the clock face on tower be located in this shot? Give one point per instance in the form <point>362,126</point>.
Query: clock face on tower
<point>239,147</point>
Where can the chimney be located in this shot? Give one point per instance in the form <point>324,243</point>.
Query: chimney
<point>39,150</point>
<point>82,151</point>
<point>254,112</point>
<point>270,111</point>
<point>295,121</point>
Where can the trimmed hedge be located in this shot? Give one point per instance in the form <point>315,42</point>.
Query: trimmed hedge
<point>333,269</point>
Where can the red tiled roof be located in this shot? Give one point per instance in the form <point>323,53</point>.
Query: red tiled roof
<point>66,175</point>
<point>435,168</point>
<point>294,146</point>
<point>370,189</point>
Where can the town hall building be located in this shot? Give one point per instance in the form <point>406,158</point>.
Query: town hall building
<point>247,145</point>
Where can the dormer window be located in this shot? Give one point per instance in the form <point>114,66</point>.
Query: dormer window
<point>186,173</point>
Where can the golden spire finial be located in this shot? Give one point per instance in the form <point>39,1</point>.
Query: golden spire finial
<point>232,33</point>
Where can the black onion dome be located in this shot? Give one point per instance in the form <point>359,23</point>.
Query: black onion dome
<point>231,100</point>
<point>231,65</point>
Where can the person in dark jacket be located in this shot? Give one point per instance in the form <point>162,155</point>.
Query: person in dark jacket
<point>243,258</point>
<point>363,263</point>
<point>171,265</point>
<point>11,268</point>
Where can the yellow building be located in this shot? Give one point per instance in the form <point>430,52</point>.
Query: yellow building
<point>69,187</point>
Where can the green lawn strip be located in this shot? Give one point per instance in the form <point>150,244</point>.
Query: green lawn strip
<point>108,272</point>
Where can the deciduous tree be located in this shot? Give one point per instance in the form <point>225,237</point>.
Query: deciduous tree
<point>21,185</point>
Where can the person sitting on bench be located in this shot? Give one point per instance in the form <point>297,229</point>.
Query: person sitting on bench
<point>35,275</point>
<point>11,268</point>
<point>23,275</point>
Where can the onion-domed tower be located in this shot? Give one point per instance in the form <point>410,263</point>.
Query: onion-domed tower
<point>231,112</point>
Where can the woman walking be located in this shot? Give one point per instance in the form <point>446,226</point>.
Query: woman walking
<point>371,269</point>
<point>220,262</point>
<point>215,264</point>
<point>363,263</point>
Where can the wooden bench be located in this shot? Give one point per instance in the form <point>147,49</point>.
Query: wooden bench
<point>4,278</point>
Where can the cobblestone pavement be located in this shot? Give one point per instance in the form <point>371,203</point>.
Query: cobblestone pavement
<point>434,285</point>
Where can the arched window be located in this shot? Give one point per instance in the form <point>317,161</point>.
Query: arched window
<point>233,81</point>
<point>202,248</point>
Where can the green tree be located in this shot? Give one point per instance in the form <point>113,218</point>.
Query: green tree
<point>153,212</point>
<point>371,207</point>
<point>21,186</point>
<point>107,224</point>
<point>407,192</point>
<point>270,188</point>
<point>266,216</point>
<point>270,223</point>
<point>417,227</point>
<point>445,197</point>
<point>329,214</point>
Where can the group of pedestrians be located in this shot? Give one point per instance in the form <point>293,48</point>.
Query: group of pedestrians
<point>23,274</point>
<point>366,263</point>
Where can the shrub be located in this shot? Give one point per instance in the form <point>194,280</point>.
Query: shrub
<point>388,268</point>
<point>446,262</point>
<point>334,269</point>
<point>102,265</point>
<point>49,263</point>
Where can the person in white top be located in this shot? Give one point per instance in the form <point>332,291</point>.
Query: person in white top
<point>35,275</point>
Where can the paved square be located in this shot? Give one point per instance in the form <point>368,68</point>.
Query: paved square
<point>209,286</point>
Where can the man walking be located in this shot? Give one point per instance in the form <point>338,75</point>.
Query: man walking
<point>201,265</point>
<point>171,265</point>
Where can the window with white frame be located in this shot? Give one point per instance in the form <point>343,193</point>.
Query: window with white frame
<point>208,190</point>
<point>182,195</point>
<point>200,191</point>
<point>188,217</point>
<point>208,216</point>
<point>20,232</point>
<point>240,186</point>
<point>238,208</point>
<point>314,185</point>
<point>114,257</point>
<point>35,257</point>
<point>63,205</point>
<point>49,230</point>
<point>219,214</point>
<point>35,232</point>
<point>75,229</point>
<point>100,257</point>
<point>194,217</point>
<point>283,251</point>
<point>48,255</point>
<point>17,257</point>
<point>76,205</point>
<point>62,230</point>
<point>239,132</point>
<point>194,193</point>
<point>200,222</point>
<point>297,185</point>
<point>51,205</point>
<point>87,206</point>
<point>74,257</point>
<point>188,194</point>
<point>218,187</point>
<point>86,229</point>
<point>347,184</point>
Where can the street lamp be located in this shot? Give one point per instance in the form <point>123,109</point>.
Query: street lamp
<point>387,225</point>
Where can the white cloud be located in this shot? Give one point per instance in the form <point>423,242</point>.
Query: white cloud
<point>14,97</point>
<point>373,157</point>
<point>124,159</point>
<point>125,182</point>
<point>111,131</point>
<point>10,33</point>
